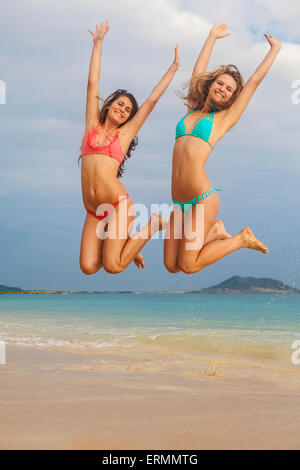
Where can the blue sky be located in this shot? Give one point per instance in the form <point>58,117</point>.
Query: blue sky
<point>44,59</point>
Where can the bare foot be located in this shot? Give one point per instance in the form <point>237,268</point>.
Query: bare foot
<point>221,231</point>
<point>139,261</point>
<point>251,241</point>
<point>217,232</point>
<point>157,223</point>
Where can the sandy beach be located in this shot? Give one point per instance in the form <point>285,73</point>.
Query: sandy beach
<point>59,400</point>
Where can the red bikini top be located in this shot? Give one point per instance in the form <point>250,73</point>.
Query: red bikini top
<point>91,145</point>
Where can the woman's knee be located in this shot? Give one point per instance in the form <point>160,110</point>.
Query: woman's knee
<point>171,266</point>
<point>188,266</point>
<point>187,269</point>
<point>89,267</point>
<point>113,266</point>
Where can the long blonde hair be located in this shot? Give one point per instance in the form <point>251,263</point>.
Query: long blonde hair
<point>199,85</point>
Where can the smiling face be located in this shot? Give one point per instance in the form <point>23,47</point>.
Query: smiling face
<point>222,89</point>
<point>120,109</point>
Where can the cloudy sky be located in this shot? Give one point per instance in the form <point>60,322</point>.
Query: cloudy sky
<point>44,59</point>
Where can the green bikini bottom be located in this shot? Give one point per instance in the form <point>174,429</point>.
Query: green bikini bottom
<point>186,206</point>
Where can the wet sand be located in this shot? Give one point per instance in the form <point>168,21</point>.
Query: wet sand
<point>60,400</point>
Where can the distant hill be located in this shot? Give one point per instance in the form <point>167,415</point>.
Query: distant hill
<point>250,285</point>
<point>16,290</point>
<point>10,289</point>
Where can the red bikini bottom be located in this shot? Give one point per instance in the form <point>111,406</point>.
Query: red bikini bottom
<point>106,213</point>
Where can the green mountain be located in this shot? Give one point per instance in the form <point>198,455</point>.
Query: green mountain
<point>10,289</point>
<point>250,285</point>
<point>16,290</point>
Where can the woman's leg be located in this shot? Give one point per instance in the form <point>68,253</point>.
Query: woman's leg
<point>214,230</point>
<point>192,260</point>
<point>172,239</point>
<point>174,233</point>
<point>217,232</point>
<point>214,251</point>
<point>90,258</point>
<point>198,228</point>
<point>119,250</point>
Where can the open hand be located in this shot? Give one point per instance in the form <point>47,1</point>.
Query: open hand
<point>139,261</point>
<point>274,42</point>
<point>176,58</point>
<point>219,31</point>
<point>100,32</point>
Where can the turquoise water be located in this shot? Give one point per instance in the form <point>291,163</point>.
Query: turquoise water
<point>202,323</point>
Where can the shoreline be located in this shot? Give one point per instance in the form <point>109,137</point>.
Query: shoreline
<point>62,400</point>
<point>203,291</point>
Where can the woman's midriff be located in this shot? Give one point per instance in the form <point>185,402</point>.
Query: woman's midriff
<point>189,178</point>
<point>99,182</point>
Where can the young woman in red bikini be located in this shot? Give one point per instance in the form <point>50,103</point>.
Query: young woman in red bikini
<point>109,138</point>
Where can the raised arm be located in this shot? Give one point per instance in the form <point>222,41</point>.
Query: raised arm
<point>92,105</point>
<point>132,127</point>
<point>233,114</point>
<point>216,32</point>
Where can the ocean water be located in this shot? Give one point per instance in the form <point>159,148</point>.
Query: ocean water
<point>256,327</point>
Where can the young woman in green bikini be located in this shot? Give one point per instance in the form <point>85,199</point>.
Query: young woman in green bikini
<point>215,102</point>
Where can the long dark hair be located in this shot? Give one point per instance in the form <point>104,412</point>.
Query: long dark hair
<point>198,87</point>
<point>102,117</point>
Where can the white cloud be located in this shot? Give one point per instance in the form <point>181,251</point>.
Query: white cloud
<point>284,15</point>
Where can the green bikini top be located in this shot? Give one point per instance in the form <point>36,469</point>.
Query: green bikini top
<point>202,129</point>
